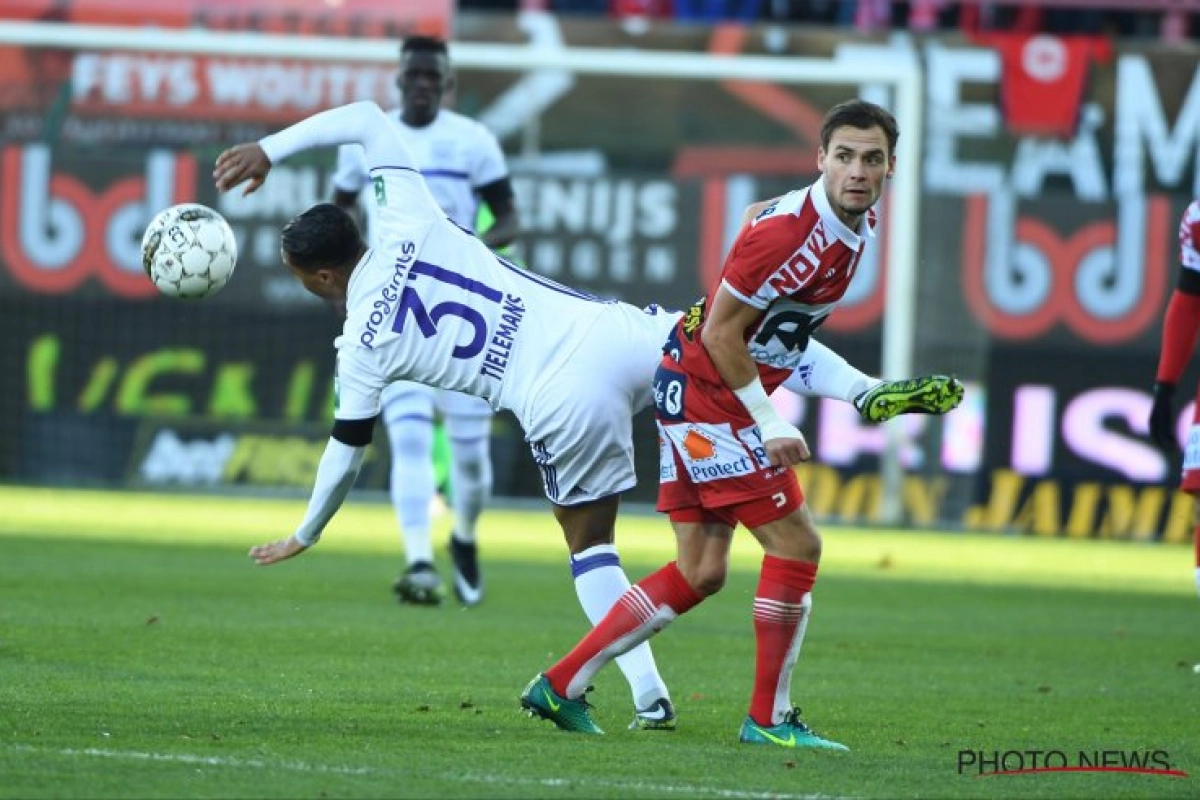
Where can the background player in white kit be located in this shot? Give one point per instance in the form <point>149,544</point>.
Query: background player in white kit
<point>462,164</point>
<point>433,304</point>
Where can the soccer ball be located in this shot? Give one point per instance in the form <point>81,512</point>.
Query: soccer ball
<point>189,251</point>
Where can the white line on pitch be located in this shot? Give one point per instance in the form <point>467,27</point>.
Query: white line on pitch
<point>692,790</point>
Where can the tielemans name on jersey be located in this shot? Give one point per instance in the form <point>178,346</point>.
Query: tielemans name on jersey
<point>495,360</point>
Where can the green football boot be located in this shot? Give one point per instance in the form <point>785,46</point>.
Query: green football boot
<point>929,394</point>
<point>540,700</point>
<point>789,733</point>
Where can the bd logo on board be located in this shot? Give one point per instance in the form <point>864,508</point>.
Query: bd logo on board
<point>56,231</point>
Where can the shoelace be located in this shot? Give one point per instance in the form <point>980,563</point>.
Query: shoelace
<point>793,718</point>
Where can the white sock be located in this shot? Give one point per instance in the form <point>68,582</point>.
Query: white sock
<point>412,484</point>
<point>1198,579</point>
<point>599,583</point>
<point>471,472</point>
<point>824,373</point>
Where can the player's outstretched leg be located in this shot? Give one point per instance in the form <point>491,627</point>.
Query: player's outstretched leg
<point>928,394</point>
<point>540,700</point>
<point>792,732</point>
<point>599,583</point>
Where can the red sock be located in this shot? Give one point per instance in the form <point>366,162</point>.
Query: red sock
<point>781,607</point>
<point>644,610</point>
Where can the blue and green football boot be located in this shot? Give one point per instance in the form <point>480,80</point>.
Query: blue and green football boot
<point>789,733</point>
<point>540,700</point>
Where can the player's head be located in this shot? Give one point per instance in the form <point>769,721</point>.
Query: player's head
<point>424,78</point>
<point>858,151</point>
<point>321,247</point>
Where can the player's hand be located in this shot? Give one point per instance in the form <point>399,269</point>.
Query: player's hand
<point>281,550</point>
<point>787,451</point>
<point>1162,418</point>
<point>243,162</point>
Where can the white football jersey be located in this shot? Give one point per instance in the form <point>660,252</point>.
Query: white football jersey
<point>432,303</point>
<point>455,154</point>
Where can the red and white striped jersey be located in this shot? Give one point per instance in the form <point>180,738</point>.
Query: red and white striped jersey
<point>794,261</point>
<point>1189,237</point>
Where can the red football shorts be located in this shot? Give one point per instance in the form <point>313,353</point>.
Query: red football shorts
<point>712,465</point>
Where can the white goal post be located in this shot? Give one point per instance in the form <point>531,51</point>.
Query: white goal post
<point>902,75</point>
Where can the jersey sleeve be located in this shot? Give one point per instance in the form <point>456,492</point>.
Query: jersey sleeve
<point>350,175</point>
<point>1181,323</point>
<point>398,185</point>
<point>1189,237</point>
<point>487,159</point>
<point>359,384</point>
<point>763,250</point>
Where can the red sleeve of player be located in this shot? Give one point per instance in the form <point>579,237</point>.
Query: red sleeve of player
<point>760,253</point>
<point>1182,323</point>
<point>1180,329</point>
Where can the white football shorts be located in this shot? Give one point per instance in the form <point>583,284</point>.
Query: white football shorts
<point>579,422</point>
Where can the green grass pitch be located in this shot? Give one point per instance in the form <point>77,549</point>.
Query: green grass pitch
<point>143,655</point>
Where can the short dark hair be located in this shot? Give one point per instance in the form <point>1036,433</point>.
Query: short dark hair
<point>864,116</point>
<point>324,237</point>
<point>424,44</point>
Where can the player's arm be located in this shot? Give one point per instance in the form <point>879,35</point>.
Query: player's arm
<point>724,338</point>
<point>359,384</point>
<point>501,202</point>
<point>336,473</point>
<point>1181,327</point>
<point>361,123</point>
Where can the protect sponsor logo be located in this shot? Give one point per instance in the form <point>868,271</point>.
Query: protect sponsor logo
<point>380,190</point>
<point>710,452</point>
<point>698,446</point>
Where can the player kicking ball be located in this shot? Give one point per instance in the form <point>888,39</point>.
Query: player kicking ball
<point>727,457</point>
<point>434,305</point>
